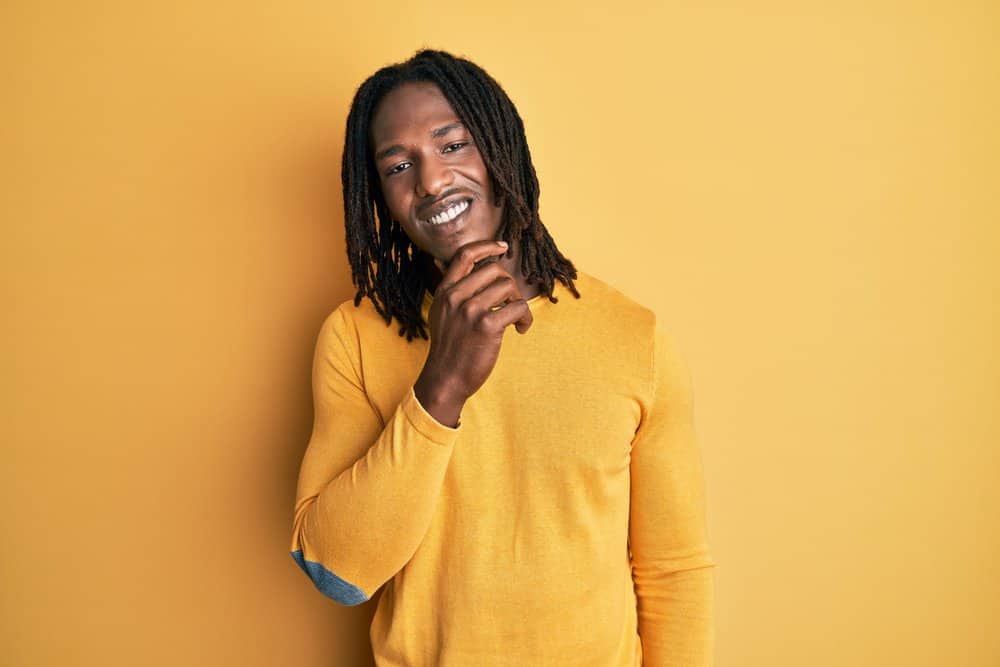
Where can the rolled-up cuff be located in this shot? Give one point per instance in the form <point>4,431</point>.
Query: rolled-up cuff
<point>425,423</point>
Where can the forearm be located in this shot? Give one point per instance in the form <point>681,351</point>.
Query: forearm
<point>364,525</point>
<point>676,617</point>
<point>672,564</point>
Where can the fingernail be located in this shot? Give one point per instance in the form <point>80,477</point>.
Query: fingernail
<point>502,244</point>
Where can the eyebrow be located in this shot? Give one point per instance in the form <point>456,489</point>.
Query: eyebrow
<point>396,148</point>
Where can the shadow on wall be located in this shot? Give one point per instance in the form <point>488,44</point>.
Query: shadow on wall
<point>318,228</point>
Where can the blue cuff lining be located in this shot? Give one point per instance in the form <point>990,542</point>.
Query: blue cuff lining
<point>328,583</point>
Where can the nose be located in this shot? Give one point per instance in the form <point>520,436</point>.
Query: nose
<point>434,176</point>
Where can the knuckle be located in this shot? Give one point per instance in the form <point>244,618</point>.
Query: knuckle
<point>466,253</point>
<point>451,298</point>
<point>467,308</point>
<point>499,268</point>
<point>488,271</point>
<point>501,277</point>
<point>487,323</point>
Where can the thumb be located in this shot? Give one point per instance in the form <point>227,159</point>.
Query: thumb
<point>522,325</point>
<point>440,265</point>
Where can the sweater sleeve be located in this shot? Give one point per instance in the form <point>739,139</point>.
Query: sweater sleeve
<point>671,563</point>
<point>366,490</point>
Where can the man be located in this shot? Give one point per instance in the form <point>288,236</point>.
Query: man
<point>528,494</point>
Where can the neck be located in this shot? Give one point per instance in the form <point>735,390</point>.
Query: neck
<point>511,264</point>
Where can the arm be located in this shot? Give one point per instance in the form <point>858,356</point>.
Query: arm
<point>671,562</point>
<point>366,491</point>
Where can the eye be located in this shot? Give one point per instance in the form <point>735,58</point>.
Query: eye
<point>460,144</point>
<point>396,169</point>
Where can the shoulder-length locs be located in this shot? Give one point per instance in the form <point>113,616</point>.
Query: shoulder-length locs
<point>383,260</point>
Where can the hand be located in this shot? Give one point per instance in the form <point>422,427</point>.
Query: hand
<point>473,305</point>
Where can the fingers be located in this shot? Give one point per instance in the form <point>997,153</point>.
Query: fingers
<point>503,304</point>
<point>497,293</point>
<point>475,282</point>
<point>462,263</point>
<point>515,312</point>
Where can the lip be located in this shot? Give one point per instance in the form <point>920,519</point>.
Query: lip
<point>451,224</point>
<point>424,216</point>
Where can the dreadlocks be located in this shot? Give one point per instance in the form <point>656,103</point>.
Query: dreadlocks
<point>384,262</point>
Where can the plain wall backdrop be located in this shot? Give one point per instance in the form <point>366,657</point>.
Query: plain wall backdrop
<point>806,192</point>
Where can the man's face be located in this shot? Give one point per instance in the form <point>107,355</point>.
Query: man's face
<point>430,169</point>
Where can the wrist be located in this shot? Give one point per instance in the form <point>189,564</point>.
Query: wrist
<point>439,401</point>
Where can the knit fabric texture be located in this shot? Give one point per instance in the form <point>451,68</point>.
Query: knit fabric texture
<point>561,522</point>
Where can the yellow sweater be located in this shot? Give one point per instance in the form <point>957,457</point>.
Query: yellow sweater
<point>562,522</point>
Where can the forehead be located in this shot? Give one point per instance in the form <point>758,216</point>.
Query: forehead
<point>409,110</point>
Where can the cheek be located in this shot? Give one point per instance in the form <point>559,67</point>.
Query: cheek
<point>477,172</point>
<point>477,166</point>
<point>396,199</point>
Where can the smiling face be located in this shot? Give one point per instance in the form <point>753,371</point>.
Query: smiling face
<point>431,174</point>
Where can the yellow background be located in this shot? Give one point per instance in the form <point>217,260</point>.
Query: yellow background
<point>806,192</point>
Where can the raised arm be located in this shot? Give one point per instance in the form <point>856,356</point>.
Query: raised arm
<point>367,490</point>
<point>671,563</point>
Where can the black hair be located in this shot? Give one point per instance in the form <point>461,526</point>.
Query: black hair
<point>385,264</point>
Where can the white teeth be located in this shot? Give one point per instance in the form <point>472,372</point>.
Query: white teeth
<point>449,214</point>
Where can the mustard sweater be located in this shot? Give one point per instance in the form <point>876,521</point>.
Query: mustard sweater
<point>562,522</point>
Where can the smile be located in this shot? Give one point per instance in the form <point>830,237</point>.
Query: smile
<point>449,214</point>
